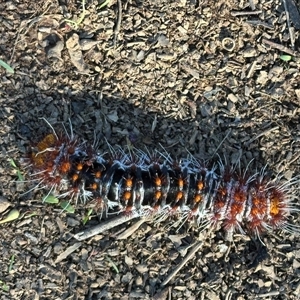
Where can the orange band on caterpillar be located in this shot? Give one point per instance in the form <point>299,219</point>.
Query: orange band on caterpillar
<point>220,196</point>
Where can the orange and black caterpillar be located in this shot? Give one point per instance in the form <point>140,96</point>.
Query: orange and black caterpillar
<point>160,186</point>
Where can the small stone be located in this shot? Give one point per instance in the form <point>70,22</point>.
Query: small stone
<point>127,277</point>
<point>4,204</point>
<point>142,268</point>
<point>72,222</point>
<point>139,280</point>
<point>250,52</point>
<point>128,261</point>
<point>58,248</point>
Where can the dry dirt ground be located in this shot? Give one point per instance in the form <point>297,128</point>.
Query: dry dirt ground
<point>194,76</point>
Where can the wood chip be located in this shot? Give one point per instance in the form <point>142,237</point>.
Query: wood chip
<point>67,252</point>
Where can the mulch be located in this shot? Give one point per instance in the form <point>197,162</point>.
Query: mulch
<point>216,80</point>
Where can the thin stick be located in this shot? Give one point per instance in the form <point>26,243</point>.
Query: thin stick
<point>245,13</point>
<point>226,136</point>
<point>118,25</point>
<point>287,14</point>
<point>107,225</point>
<point>30,23</point>
<point>260,23</point>
<point>280,47</point>
<point>196,247</point>
<point>263,133</point>
<point>270,294</point>
<point>128,232</point>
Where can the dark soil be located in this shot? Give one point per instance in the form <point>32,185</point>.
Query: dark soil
<point>189,76</point>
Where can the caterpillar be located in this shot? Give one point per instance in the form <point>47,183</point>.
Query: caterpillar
<point>159,186</point>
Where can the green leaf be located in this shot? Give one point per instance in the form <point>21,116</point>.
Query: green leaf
<point>12,215</point>
<point>13,164</point>
<point>65,205</point>
<point>285,57</point>
<point>113,265</point>
<point>51,199</point>
<point>12,261</point>
<point>19,174</point>
<point>29,214</point>
<point>104,3</point>
<point>4,286</point>
<point>87,216</point>
<point>81,18</point>
<point>7,67</point>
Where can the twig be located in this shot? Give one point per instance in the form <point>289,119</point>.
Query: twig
<point>270,294</point>
<point>119,21</point>
<point>27,24</point>
<point>81,18</point>
<point>260,23</point>
<point>229,294</point>
<point>67,252</point>
<point>291,32</point>
<point>265,132</point>
<point>90,232</point>
<point>222,142</point>
<point>190,255</point>
<point>279,47</point>
<point>128,232</point>
<point>245,13</point>
<point>252,68</point>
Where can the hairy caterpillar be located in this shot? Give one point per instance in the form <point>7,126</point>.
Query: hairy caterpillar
<point>159,186</point>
